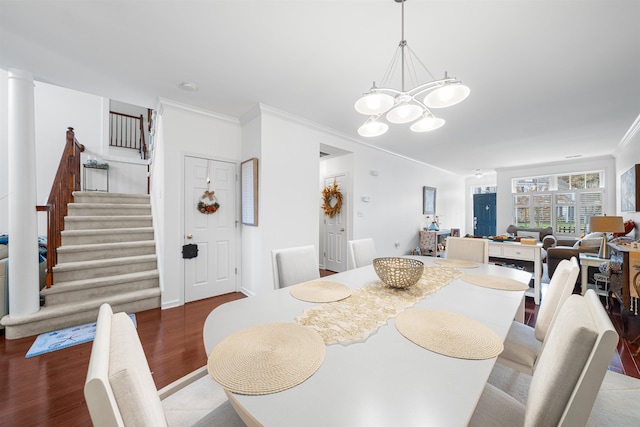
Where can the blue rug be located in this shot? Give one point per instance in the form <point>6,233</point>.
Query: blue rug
<point>56,340</point>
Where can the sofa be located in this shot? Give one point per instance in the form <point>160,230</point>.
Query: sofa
<point>544,235</point>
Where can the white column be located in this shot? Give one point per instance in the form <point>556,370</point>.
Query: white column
<point>24,285</point>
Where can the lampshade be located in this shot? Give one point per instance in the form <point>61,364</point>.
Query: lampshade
<point>447,95</point>
<point>374,103</point>
<point>606,224</point>
<point>373,128</point>
<point>404,113</point>
<point>427,123</point>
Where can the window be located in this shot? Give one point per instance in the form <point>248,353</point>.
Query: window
<point>564,201</point>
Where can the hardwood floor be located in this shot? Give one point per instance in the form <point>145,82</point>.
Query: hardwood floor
<point>47,390</point>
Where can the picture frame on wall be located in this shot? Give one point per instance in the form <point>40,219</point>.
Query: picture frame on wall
<point>428,200</point>
<point>630,190</point>
<point>249,185</point>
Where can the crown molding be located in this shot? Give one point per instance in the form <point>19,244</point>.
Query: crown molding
<point>175,104</point>
<point>631,133</point>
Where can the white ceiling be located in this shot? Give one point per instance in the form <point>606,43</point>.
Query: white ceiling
<point>548,79</point>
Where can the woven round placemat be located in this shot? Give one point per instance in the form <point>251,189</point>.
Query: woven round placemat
<point>495,282</point>
<point>320,291</point>
<point>449,334</point>
<point>459,263</point>
<point>267,358</point>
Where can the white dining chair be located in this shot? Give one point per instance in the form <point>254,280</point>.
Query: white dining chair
<point>120,391</point>
<point>361,252</point>
<point>467,249</point>
<point>563,388</point>
<point>523,343</point>
<point>294,265</point>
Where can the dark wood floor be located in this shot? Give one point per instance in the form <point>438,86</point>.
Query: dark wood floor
<point>47,390</point>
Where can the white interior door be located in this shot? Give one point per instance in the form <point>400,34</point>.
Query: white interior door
<point>335,231</point>
<point>213,271</point>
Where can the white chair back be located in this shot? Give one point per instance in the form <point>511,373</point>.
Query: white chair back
<point>294,265</point>
<point>468,249</point>
<point>119,389</point>
<point>361,252</point>
<point>560,288</point>
<point>574,359</point>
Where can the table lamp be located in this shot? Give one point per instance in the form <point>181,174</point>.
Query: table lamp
<point>605,224</point>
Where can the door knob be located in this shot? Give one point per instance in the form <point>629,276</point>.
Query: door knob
<point>342,229</point>
<point>189,236</point>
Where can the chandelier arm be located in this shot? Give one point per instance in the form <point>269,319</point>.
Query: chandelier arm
<point>431,86</point>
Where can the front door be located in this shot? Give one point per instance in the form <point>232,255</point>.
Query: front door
<point>484,214</point>
<point>213,271</point>
<point>335,230</point>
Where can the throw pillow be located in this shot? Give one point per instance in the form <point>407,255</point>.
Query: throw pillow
<point>588,243</point>
<point>628,226</point>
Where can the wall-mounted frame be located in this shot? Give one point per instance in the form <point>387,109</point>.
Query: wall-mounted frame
<point>630,190</point>
<point>428,200</point>
<point>249,184</point>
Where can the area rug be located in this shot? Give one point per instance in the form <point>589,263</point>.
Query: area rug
<point>63,338</point>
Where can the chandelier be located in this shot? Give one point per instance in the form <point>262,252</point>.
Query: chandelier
<point>405,106</point>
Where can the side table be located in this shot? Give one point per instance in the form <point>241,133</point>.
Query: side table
<point>94,166</point>
<point>586,261</point>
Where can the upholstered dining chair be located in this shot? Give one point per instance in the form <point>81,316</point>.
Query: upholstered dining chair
<point>468,249</point>
<point>523,343</point>
<point>294,265</point>
<point>361,252</point>
<point>574,359</point>
<point>120,391</point>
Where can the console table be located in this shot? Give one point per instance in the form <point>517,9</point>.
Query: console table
<point>630,277</point>
<point>520,252</point>
<point>93,166</point>
<point>431,241</point>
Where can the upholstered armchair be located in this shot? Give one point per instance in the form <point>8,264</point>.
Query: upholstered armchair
<point>572,247</point>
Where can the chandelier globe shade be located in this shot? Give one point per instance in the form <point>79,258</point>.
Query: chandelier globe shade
<point>374,103</point>
<point>400,106</point>
<point>404,113</point>
<point>373,128</point>
<point>427,123</point>
<point>447,95</point>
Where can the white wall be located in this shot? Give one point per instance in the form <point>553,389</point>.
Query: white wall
<point>184,131</point>
<point>627,155</point>
<point>252,252</point>
<point>504,177</point>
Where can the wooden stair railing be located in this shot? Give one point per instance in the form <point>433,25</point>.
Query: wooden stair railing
<point>67,181</point>
<point>127,131</point>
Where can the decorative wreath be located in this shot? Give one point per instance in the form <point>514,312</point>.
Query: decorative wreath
<point>208,208</point>
<point>329,193</point>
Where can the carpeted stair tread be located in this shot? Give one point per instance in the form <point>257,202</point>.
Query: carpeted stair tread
<point>78,307</point>
<point>72,285</point>
<point>124,198</point>
<point>99,218</point>
<point>81,265</point>
<point>106,246</point>
<point>107,230</point>
<point>108,205</point>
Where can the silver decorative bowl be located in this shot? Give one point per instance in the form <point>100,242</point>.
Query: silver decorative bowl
<point>398,272</point>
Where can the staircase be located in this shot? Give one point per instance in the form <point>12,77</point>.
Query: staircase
<point>107,255</point>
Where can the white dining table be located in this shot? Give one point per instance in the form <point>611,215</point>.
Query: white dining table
<point>386,380</point>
